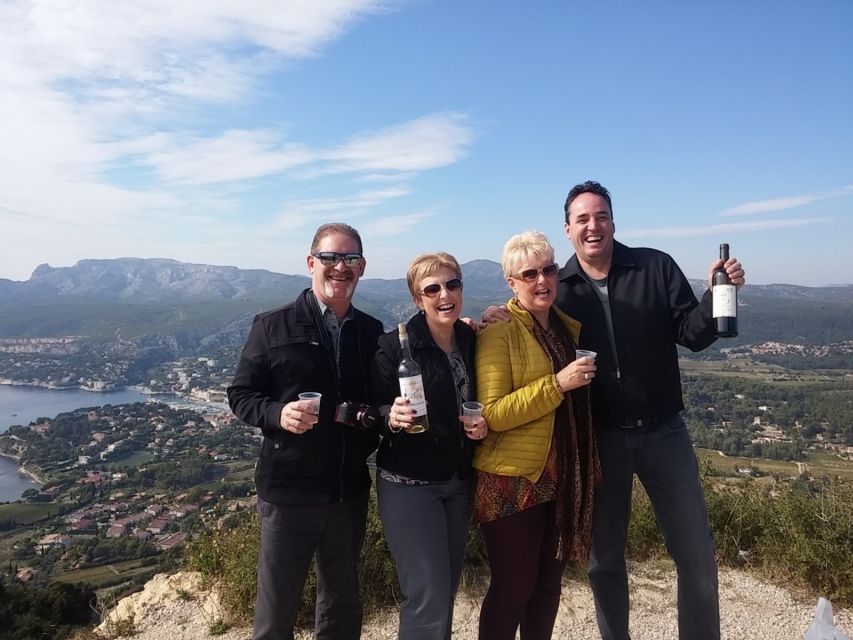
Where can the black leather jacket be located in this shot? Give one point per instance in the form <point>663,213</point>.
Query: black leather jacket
<point>653,309</point>
<point>284,355</point>
<point>444,450</point>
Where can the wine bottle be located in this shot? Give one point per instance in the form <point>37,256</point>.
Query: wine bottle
<point>724,295</point>
<point>412,383</point>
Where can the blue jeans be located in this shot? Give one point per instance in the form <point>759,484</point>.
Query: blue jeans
<point>426,528</point>
<point>662,457</point>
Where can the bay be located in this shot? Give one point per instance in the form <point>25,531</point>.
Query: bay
<point>12,482</point>
<point>22,405</point>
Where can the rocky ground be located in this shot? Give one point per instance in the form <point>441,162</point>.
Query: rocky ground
<point>175,608</point>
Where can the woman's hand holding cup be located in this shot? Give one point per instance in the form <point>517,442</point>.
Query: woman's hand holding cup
<point>473,421</point>
<point>578,373</point>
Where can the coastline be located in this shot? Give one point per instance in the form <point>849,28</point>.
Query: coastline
<point>32,475</point>
<point>150,394</point>
<point>55,387</point>
<point>24,471</point>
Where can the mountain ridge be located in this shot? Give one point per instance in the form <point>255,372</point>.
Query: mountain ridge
<point>167,308</point>
<point>134,280</point>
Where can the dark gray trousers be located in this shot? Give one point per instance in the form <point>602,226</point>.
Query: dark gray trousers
<point>290,536</point>
<point>662,457</point>
<point>426,528</point>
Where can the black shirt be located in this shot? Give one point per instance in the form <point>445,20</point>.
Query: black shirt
<point>653,309</point>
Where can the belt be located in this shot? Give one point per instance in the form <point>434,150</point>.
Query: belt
<point>639,424</point>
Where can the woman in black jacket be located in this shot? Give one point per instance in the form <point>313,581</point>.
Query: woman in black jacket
<point>424,479</point>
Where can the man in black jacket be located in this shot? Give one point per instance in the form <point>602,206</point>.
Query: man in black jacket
<point>312,478</point>
<point>635,306</point>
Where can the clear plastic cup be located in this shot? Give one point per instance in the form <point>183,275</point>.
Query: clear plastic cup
<point>314,398</point>
<point>585,353</point>
<point>472,409</point>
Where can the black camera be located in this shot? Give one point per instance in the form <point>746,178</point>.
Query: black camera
<point>358,415</point>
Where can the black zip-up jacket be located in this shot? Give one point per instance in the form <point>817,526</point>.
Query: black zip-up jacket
<point>286,354</point>
<point>653,309</point>
<point>444,450</point>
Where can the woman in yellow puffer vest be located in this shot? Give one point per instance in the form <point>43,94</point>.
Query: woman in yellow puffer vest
<point>538,466</point>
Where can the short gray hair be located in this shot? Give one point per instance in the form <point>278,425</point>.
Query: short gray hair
<point>335,227</point>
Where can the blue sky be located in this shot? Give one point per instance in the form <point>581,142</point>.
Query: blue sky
<point>224,133</point>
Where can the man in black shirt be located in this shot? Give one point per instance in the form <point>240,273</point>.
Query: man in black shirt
<point>312,476</point>
<point>635,306</point>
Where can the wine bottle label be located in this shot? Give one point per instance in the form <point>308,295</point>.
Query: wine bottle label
<point>724,301</point>
<point>412,388</point>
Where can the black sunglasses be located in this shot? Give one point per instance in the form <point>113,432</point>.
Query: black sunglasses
<point>530,275</point>
<point>331,258</point>
<point>453,285</point>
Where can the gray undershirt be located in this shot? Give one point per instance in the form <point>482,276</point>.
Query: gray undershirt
<point>600,288</point>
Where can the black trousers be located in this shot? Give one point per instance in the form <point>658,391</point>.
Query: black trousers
<point>290,536</point>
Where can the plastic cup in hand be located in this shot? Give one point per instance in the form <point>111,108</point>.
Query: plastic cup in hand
<point>472,409</point>
<point>314,398</point>
<point>585,353</point>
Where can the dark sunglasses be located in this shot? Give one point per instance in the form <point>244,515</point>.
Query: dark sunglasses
<point>331,258</point>
<point>530,275</point>
<point>453,285</point>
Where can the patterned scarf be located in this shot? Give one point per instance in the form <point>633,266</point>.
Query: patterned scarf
<point>578,466</point>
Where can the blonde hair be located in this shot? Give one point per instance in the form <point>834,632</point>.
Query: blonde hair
<point>522,247</point>
<point>427,264</point>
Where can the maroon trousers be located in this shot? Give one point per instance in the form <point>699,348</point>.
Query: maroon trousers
<point>526,577</point>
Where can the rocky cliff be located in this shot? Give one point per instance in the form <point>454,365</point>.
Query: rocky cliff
<point>176,607</point>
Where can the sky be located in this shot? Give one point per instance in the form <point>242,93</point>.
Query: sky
<point>225,132</point>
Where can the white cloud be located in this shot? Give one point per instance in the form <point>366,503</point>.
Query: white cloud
<point>765,206</point>
<point>428,142</point>
<point>109,148</point>
<point>154,42</point>
<point>402,150</point>
<point>357,201</point>
<point>234,155</point>
<point>782,204</point>
<point>76,75</point>
<point>390,226</point>
<point>715,229</point>
<point>298,213</point>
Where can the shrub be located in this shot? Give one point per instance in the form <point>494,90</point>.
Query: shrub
<point>739,514</point>
<point>808,538</point>
<point>228,558</point>
<point>53,611</point>
<point>218,628</point>
<point>796,532</point>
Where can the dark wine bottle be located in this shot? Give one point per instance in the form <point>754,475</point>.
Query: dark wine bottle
<point>412,383</point>
<point>724,295</point>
